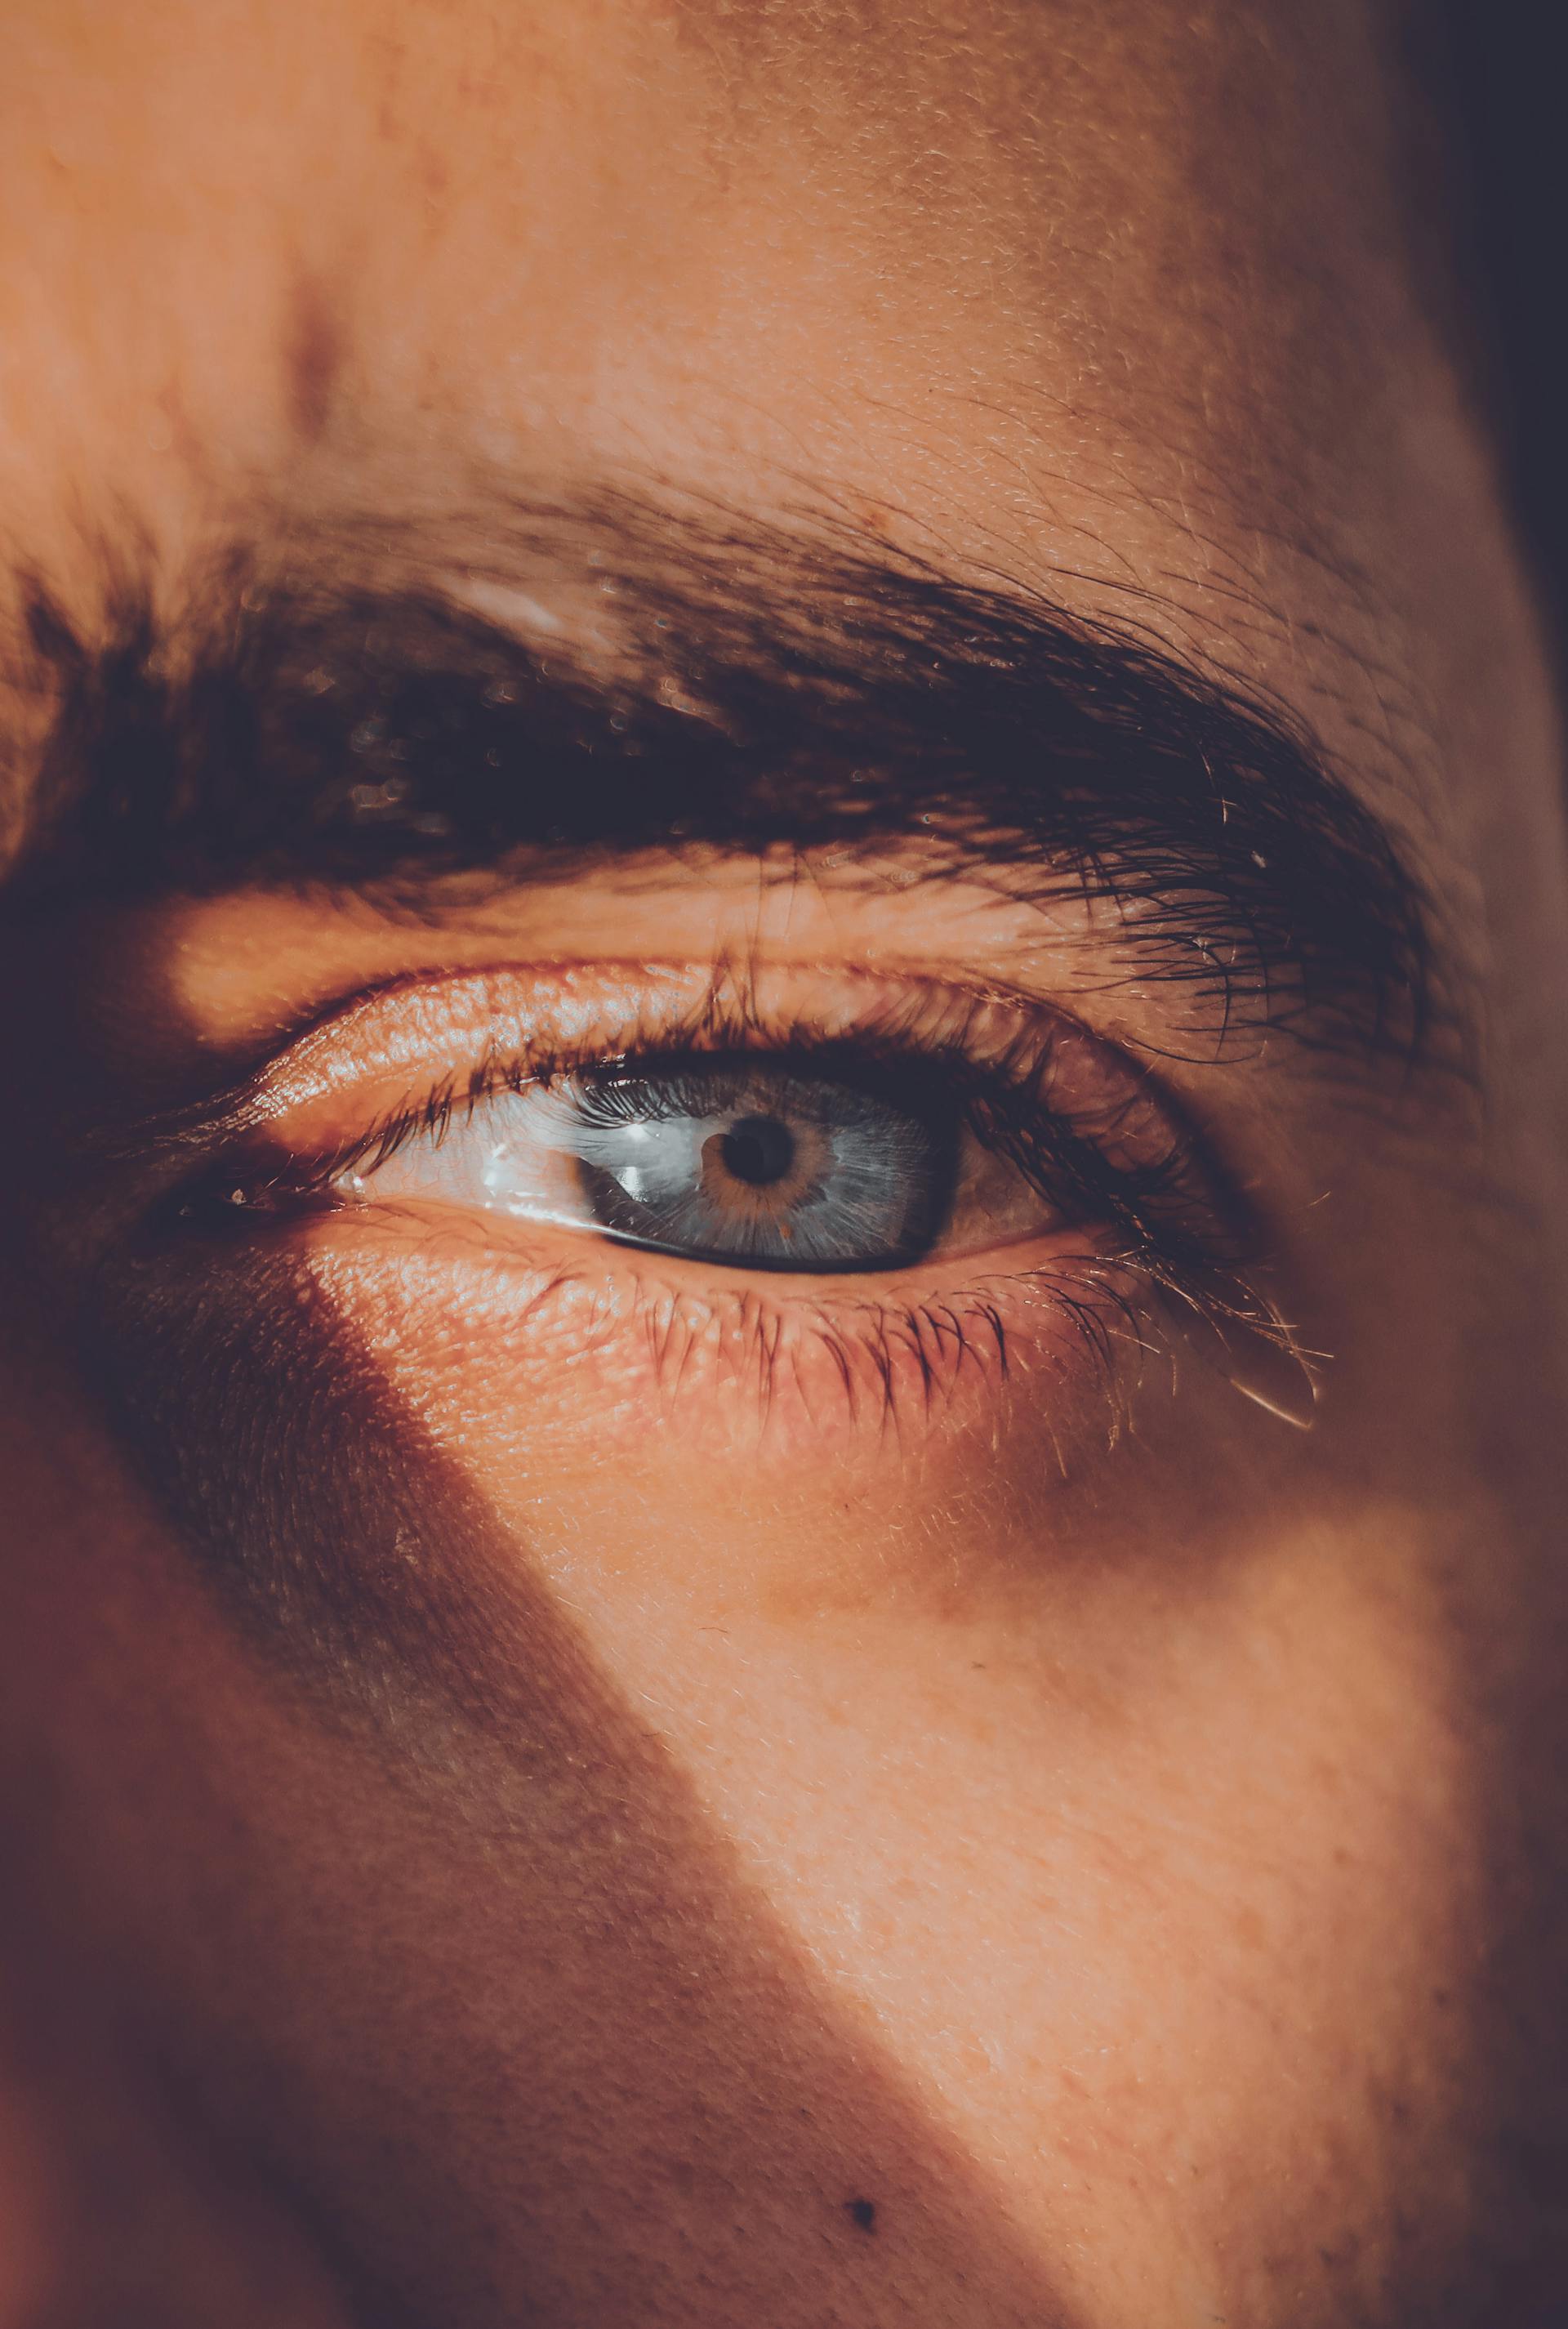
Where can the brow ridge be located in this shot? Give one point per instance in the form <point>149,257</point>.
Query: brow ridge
<point>337,714</point>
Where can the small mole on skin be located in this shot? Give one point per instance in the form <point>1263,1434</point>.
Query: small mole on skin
<point>864,2212</point>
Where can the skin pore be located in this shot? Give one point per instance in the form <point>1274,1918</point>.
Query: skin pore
<point>548,1782</point>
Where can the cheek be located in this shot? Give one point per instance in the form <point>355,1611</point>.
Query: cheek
<point>1131,1815</point>
<point>613,1389</point>
<point>729,1455</point>
<point>1137,1807</point>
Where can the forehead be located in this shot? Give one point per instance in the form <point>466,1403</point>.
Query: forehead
<point>1005,252</point>
<point>1110,297</point>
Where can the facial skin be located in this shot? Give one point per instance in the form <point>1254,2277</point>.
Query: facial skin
<point>545,1782</point>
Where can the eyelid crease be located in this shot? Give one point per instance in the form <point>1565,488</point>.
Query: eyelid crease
<point>310,1060</point>
<point>725,1007</point>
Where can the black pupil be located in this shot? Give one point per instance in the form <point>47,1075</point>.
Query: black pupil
<point>757,1149</point>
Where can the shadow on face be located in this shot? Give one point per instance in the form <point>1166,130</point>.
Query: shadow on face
<point>488,1996</point>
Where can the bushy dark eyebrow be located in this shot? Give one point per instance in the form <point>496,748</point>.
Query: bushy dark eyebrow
<point>334,715</point>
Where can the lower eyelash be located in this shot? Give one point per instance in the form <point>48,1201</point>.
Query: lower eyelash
<point>1081,1328</point>
<point>876,1362</point>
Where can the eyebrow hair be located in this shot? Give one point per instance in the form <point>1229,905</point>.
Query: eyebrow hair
<point>354,711</point>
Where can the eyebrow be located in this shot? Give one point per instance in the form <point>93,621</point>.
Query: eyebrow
<point>351,709</point>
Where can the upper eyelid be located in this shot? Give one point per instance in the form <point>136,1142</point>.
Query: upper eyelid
<point>249,1100</point>
<point>724,1012</point>
<point>456,1099</point>
<point>280,1080</point>
<point>452,1103</point>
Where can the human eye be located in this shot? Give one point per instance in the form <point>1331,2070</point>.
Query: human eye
<point>875,1172</point>
<point>740,1160</point>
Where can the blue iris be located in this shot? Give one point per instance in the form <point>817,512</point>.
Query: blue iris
<point>731,1160</point>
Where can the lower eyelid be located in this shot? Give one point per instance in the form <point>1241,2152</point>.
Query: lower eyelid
<point>606,1344</point>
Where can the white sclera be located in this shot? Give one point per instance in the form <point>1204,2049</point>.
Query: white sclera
<point>515,1153</point>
